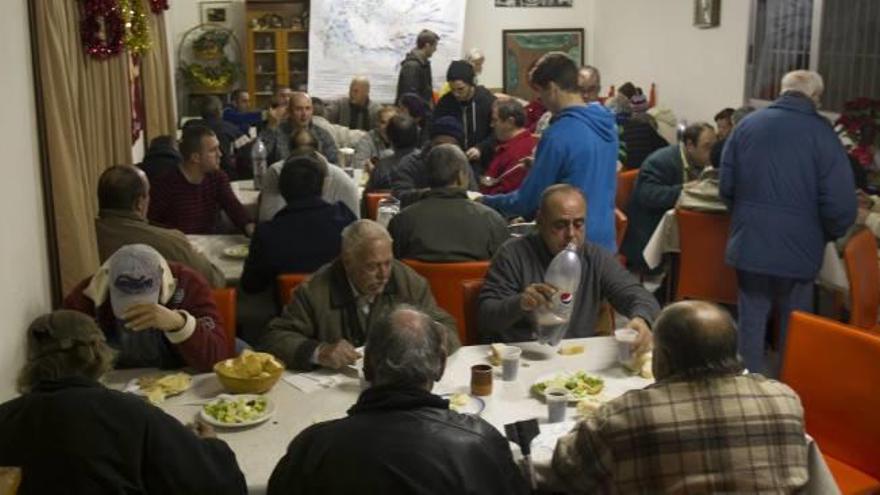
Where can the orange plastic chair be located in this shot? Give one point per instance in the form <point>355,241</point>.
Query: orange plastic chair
<point>225,299</point>
<point>372,201</point>
<point>470,292</point>
<point>620,225</point>
<point>702,272</point>
<point>834,369</point>
<point>287,283</point>
<point>860,258</point>
<point>626,182</point>
<point>445,280</point>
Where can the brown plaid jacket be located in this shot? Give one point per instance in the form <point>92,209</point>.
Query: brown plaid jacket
<point>735,434</point>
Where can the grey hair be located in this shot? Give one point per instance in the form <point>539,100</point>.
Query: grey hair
<point>740,113</point>
<point>474,54</point>
<point>619,104</point>
<point>359,233</point>
<point>445,162</point>
<point>405,348</point>
<point>360,80</point>
<point>803,81</point>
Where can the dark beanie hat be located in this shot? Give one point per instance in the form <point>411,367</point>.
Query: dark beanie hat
<point>447,126</point>
<point>459,70</point>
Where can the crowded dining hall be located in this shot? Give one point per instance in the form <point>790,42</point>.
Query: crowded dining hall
<point>440,247</point>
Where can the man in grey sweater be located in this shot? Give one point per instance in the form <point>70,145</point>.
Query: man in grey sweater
<point>514,286</point>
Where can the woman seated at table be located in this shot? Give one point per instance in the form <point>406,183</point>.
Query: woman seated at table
<point>70,434</point>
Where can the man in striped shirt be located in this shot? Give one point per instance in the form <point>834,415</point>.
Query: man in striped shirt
<point>190,198</point>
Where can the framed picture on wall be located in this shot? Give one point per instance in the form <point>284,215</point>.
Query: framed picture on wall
<point>533,3</point>
<point>521,48</point>
<point>215,13</point>
<point>707,13</point>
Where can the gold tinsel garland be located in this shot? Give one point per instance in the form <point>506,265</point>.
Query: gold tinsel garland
<point>137,34</point>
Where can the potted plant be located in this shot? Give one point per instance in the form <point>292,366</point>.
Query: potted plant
<point>210,78</point>
<point>859,128</point>
<point>210,44</point>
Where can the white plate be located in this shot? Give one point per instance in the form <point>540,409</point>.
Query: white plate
<point>133,387</point>
<point>270,411</point>
<point>474,406</point>
<point>571,398</point>
<point>240,251</point>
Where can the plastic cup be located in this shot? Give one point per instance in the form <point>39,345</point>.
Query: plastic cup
<point>481,379</point>
<point>557,402</point>
<point>510,363</point>
<point>626,338</point>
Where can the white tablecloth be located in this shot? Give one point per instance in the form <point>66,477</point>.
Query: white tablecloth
<point>212,247</point>
<point>665,239</point>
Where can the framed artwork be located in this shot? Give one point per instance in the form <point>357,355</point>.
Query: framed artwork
<point>533,3</point>
<point>522,47</point>
<point>707,13</point>
<point>215,13</point>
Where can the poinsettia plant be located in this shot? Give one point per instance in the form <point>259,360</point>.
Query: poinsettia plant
<point>859,128</point>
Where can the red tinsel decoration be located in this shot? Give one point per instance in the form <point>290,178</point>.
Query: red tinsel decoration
<point>102,28</point>
<point>157,6</point>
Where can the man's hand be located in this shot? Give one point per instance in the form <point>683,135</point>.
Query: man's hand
<point>535,296</point>
<point>644,340</point>
<point>202,429</point>
<point>145,316</point>
<point>473,154</point>
<point>337,355</point>
<point>249,229</point>
<point>275,116</point>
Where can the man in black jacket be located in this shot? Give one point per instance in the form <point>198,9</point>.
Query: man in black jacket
<point>415,70</point>
<point>398,437</point>
<point>471,105</point>
<point>70,434</point>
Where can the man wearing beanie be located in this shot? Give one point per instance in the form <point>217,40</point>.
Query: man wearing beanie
<point>471,105</point>
<point>410,179</point>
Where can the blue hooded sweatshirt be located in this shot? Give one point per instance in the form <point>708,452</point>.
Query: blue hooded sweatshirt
<point>579,148</point>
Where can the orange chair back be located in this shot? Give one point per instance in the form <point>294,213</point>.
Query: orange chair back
<point>445,280</point>
<point>620,224</point>
<point>372,201</point>
<point>470,292</point>
<point>860,258</point>
<point>702,272</point>
<point>834,368</point>
<point>225,299</point>
<point>287,283</point>
<point>626,182</point>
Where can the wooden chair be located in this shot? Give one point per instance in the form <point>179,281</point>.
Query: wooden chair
<point>287,282</point>
<point>225,299</point>
<point>372,202</point>
<point>702,272</point>
<point>445,280</point>
<point>470,292</point>
<point>860,259</point>
<point>834,368</point>
<point>626,182</point>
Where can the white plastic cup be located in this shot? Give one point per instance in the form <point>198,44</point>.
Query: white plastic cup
<point>557,402</point>
<point>510,363</point>
<point>626,339</point>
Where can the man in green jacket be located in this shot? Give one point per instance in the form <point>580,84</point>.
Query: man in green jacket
<point>332,313</point>
<point>123,199</point>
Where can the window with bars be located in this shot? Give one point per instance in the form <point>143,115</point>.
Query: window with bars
<point>840,40</point>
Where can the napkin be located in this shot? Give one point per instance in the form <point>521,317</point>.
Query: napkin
<point>311,381</point>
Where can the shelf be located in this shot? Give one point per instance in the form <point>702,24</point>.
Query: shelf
<point>265,51</point>
<point>298,50</point>
<point>264,93</point>
<point>265,73</point>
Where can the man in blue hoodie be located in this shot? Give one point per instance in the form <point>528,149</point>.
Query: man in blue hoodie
<point>579,148</point>
<point>788,183</point>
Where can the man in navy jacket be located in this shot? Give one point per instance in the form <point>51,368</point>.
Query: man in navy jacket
<point>786,178</point>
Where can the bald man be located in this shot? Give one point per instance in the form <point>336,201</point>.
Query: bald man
<point>356,111</point>
<point>703,427</point>
<point>515,287</point>
<point>276,135</point>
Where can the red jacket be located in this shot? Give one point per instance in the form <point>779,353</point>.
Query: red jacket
<point>507,155</point>
<point>192,294</point>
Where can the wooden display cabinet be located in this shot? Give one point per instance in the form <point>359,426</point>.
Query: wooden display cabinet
<point>276,48</point>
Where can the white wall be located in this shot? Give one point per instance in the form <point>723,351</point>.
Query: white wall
<point>484,23</point>
<point>697,71</point>
<point>24,291</point>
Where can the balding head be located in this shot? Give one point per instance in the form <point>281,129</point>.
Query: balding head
<point>589,83</point>
<point>359,91</point>
<point>300,110</point>
<point>367,256</point>
<point>561,217</point>
<point>695,340</point>
<point>406,348</point>
<point>124,187</point>
<point>806,82</point>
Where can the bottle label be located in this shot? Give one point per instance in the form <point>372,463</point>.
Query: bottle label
<point>566,297</point>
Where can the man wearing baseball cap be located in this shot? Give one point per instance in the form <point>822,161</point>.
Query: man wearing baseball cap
<point>154,313</point>
<point>70,434</point>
